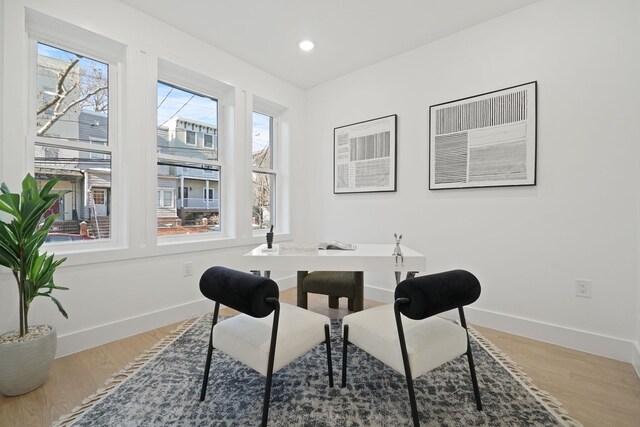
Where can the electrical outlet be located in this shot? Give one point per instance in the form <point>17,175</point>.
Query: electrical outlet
<point>583,288</point>
<point>187,269</point>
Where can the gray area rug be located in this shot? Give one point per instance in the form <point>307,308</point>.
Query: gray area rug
<point>161,388</point>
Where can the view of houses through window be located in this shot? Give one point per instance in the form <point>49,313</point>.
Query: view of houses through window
<point>264,174</point>
<point>188,163</point>
<point>72,141</point>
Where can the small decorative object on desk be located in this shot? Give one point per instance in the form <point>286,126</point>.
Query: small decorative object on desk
<point>397,251</point>
<point>270,238</point>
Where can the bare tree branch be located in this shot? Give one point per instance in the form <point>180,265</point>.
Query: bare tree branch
<point>57,114</point>
<point>61,92</point>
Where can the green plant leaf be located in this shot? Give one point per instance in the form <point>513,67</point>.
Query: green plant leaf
<point>22,236</point>
<point>60,308</point>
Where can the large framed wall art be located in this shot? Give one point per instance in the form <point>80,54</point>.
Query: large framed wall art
<point>364,156</point>
<point>487,140</point>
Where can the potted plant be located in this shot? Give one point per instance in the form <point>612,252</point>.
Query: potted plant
<point>26,355</point>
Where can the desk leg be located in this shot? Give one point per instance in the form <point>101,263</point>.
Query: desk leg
<point>410,275</point>
<point>302,295</point>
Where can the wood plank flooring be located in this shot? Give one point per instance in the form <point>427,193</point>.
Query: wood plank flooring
<point>595,390</point>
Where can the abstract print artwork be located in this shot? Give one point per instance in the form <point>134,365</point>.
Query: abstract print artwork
<point>487,140</point>
<point>364,156</point>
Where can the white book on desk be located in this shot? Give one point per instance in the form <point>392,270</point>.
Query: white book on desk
<point>336,245</point>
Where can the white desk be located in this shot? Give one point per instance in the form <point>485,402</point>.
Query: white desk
<point>366,257</point>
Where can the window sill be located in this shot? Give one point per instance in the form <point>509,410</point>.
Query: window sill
<point>102,253</point>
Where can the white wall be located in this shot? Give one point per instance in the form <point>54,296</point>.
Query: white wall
<point>140,285</point>
<point>527,245</point>
<point>636,355</point>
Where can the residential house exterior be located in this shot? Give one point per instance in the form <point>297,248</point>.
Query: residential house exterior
<point>187,193</point>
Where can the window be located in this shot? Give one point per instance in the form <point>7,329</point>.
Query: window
<point>99,196</point>
<point>94,154</point>
<point>191,137</point>
<point>187,129</point>
<point>208,141</point>
<point>71,135</point>
<point>165,198</point>
<point>263,173</point>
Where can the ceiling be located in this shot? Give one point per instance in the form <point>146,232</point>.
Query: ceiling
<point>348,34</point>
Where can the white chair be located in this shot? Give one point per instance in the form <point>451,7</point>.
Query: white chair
<point>268,335</point>
<point>407,337</point>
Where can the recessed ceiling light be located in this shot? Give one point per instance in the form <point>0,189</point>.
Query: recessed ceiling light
<point>306,45</point>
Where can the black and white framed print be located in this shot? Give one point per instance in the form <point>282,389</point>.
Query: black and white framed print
<point>487,140</point>
<point>364,156</point>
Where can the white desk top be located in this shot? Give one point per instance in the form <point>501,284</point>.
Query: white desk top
<point>366,257</point>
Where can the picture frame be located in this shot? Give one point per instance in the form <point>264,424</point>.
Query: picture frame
<point>487,140</point>
<point>364,156</point>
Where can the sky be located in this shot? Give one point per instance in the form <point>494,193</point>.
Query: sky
<point>173,101</point>
<point>176,102</point>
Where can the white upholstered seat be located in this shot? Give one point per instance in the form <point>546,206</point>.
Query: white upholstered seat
<point>247,339</point>
<point>430,342</point>
<point>267,335</point>
<point>407,335</point>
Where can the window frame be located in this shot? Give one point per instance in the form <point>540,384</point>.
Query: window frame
<point>272,171</point>
<point>160,197</point>
<point>192,132</point>
<point>100,142</point>
<point>110,53</point>
<point>204,140</point>
<point>190,81</point>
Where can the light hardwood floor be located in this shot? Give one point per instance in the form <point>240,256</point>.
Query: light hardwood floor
<point>595,390</point>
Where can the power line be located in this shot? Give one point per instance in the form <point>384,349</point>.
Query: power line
<point>165,98</point>
<point>176,113</point>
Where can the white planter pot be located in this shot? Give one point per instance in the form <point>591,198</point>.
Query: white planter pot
<point>24,366</point>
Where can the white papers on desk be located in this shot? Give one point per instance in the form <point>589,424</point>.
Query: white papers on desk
<point>336,244</point>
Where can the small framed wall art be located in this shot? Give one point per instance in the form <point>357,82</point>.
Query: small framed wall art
<point>364,156</point>
<point>487,140</point>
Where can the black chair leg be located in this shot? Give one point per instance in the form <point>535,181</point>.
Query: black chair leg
<point>272,355</point>
<point>412,401</point>
<point>207,366</point>
<point>472,369</point>
<point>345,343</point>
<point>267,396</point>
<point>405,361</point>
<point>327,340</point>
<point>474,380</point>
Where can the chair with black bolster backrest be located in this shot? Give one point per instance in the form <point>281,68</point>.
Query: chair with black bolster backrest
<point>267,335</point>
<point>408,337</point>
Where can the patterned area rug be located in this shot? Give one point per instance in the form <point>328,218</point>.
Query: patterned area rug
<point>161,388</point>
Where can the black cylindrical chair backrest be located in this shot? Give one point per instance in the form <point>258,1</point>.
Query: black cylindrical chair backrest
<point>239,290</point>
<point>436,293</point>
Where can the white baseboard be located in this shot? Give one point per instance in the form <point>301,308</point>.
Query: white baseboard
<point>588,342</point>
<point>601,345</point>
<point>636,358</point>
<point>378,294</point>
<point>286,282</point>
<point>92,337</point>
